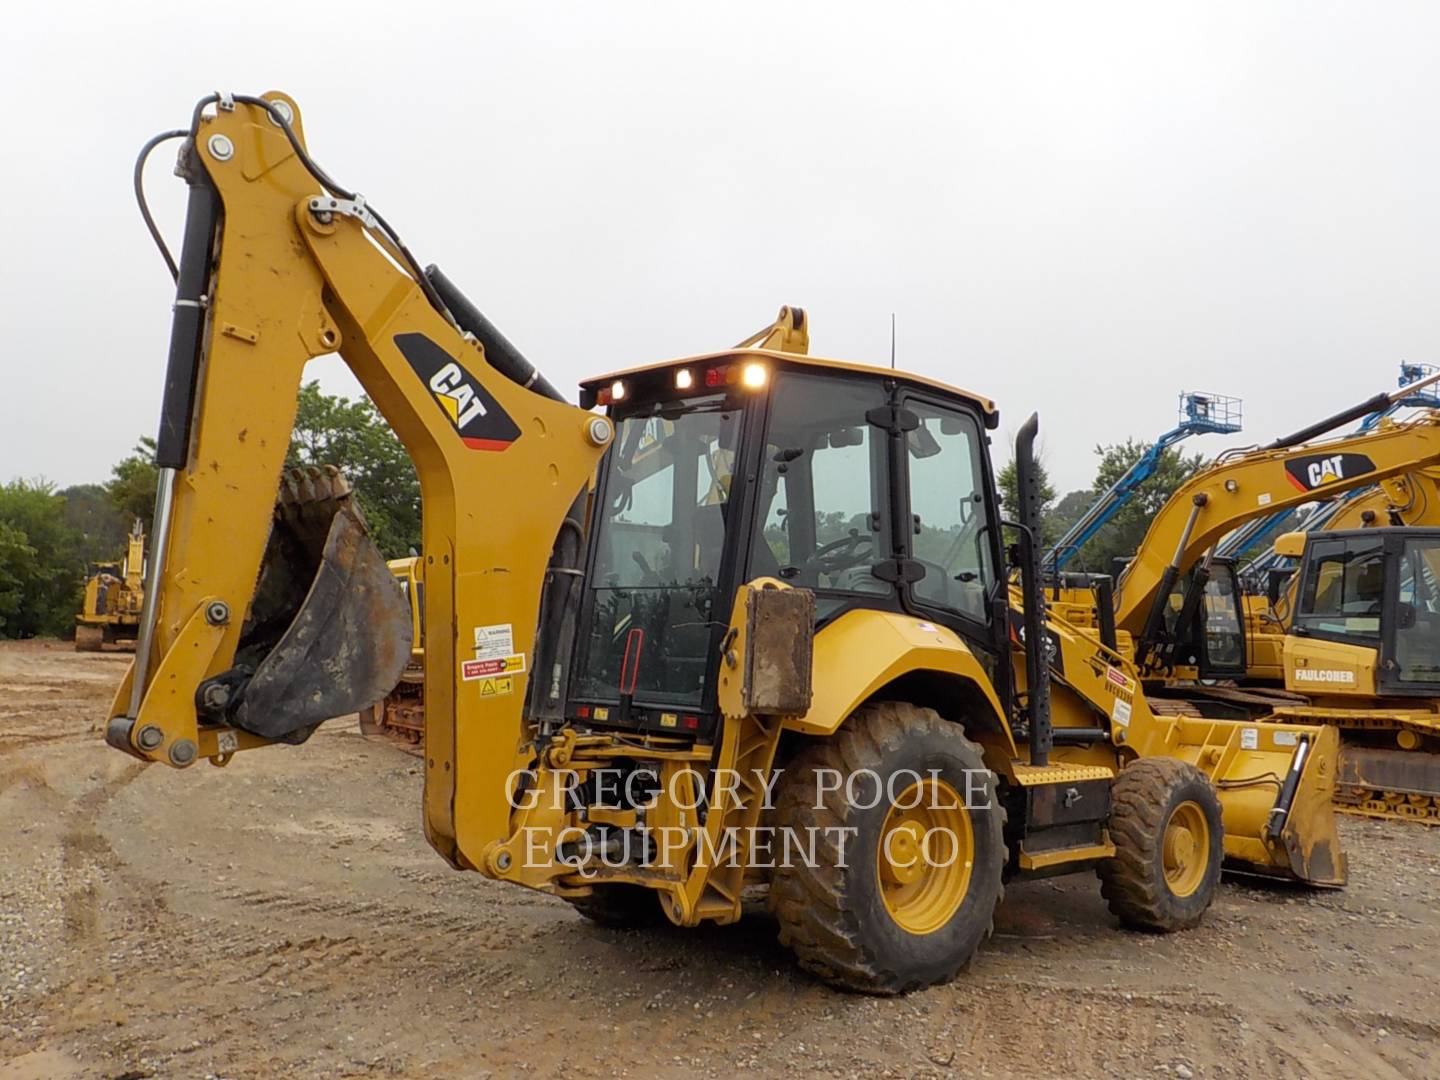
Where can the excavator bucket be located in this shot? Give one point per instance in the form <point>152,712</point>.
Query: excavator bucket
<point>329,628</point>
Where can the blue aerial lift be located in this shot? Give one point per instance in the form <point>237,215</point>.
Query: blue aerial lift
<point>1200,414</point>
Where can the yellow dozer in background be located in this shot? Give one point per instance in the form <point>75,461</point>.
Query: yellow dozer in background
<point>747,629</point>
<point>114,598</point>
<point>402,712</point>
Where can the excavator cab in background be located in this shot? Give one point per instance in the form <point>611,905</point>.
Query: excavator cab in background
<point>1376,594</point>
<point>752,628</point>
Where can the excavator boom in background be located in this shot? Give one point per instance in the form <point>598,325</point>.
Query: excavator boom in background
<point>750,626</point>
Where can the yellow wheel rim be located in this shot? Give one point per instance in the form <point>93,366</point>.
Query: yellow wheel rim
<point>926,856</point>
<point>1186,849</point>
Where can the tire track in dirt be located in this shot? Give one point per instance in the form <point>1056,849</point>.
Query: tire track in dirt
<point>86,856</point>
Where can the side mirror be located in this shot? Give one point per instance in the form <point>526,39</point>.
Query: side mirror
<point>1291,544</point>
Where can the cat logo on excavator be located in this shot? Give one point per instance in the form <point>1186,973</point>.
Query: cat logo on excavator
<point>478,417</point>
<point>1317,470</point>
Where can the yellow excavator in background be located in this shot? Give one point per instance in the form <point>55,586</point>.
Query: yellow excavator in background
<point>114,598</point>
<point>751,627</point>
<point>1351,640</point>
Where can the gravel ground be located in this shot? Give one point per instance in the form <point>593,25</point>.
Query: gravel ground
<point>284,917</point>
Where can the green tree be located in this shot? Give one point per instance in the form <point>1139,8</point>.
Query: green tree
<point>1122,534</point>
<point>352,436</point>
<point>1008,483</point>
<point>41,566</point>
<point>1069,510</point>
<point>102,527</point>
<point>132,484</point>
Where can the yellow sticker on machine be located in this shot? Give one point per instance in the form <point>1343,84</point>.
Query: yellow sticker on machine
<point>497,687</point>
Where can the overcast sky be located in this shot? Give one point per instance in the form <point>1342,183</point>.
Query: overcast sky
<point>1080,209</point>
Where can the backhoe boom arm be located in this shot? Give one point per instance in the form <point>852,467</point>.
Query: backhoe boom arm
<point>280,272</point>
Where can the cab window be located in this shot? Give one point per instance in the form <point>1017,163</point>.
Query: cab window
<point>1417,614</point>
<point>950,538</point>
<point>1344,587</point>
<point>821,516</point>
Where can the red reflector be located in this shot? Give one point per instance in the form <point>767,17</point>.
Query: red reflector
<point>690,722</point>
<point>602,397</point>
<point>630,662</point>
<point>715,376</point>
<point>582,711</point>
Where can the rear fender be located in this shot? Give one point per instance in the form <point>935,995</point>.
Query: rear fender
<point>863,652</point>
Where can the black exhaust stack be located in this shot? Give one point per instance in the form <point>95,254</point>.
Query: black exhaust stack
<point>1032,589</point>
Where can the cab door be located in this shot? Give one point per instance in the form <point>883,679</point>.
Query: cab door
<point>1410,615</point>
<point>949,523</point>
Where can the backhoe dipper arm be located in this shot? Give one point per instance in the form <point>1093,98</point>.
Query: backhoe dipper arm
<point>1258,484</point>
<point>276,269</point>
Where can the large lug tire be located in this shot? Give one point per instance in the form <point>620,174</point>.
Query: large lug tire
<point>1165,822</point>
<point>874,914</point>
<point>620,906</point>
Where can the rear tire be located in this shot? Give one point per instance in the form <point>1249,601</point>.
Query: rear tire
<point>877,924</point>
<point>1165,822</point>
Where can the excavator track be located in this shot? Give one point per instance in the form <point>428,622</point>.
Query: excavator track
<point>1381,782</point>
<point>1388,805</point>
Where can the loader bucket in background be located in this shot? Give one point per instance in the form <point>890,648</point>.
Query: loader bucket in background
<point>329,629</point>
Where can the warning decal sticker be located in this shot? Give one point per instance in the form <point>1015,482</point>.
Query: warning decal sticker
<point>493,641</point>
<point>471,670</point>
<point>497,687</point>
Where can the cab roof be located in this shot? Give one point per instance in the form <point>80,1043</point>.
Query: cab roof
<point>800,360</point>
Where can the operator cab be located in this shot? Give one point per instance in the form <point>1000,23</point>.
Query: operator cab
<point>1212,642</point>
<point>870,488</point>
<point>1378,589</point>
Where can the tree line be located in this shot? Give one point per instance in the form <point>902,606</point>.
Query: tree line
<point>51,538</point>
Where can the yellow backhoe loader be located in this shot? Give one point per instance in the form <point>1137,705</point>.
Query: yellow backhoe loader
<point>114,597</point>
<point>749,627</point>
<point>1351,640</point>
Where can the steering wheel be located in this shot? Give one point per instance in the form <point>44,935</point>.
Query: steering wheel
<point>841,554</point>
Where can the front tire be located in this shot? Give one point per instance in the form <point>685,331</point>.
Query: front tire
<point>1165,822</point>
<point>909,893</point>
